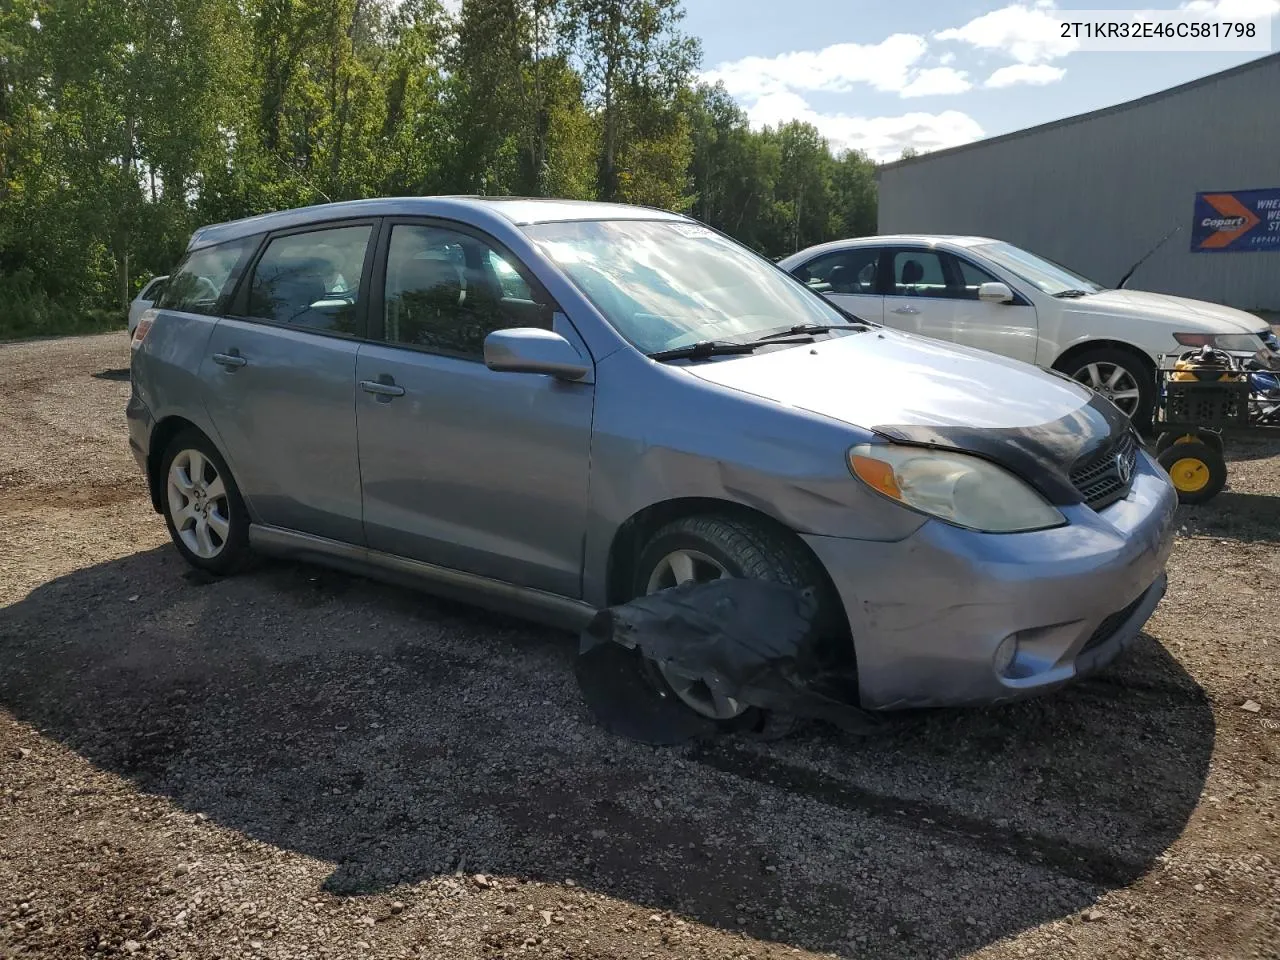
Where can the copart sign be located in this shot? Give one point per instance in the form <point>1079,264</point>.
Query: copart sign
<point>1242,221</point>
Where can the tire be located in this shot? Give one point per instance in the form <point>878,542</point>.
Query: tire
<point>1204,436</point>
<point>210,527</point>
<point>741,549</point>
<point>1197,470</point>
<point>1099,363</point>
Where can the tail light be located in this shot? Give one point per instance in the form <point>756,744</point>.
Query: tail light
<point>141,330</point>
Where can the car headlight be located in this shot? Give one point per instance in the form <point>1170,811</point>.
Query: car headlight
<point>960,489</point>
<point>1231,342</point>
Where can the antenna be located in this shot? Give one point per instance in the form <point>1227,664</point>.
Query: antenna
<point>1143,258</point>
<point>302,176</point>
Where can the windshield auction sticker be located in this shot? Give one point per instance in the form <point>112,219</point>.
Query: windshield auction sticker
<point>694,231</point>
<point>1241,221</point>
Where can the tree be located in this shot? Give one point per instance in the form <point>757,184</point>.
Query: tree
<point>126,124</point>
<point>854,194</point>
<point>733,170</point>
<point>635,62</point>
<point>804,187</point>
<point>409,143</point>
<point>486,66</point>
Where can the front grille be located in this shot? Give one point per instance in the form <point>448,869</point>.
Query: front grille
<point>1108,627</point>
<point>1105,477</point>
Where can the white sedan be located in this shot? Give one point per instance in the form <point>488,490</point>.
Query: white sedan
<point>145,300</point>
<point>992,295</point>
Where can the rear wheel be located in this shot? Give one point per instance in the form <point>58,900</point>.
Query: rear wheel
<point>1167,440</point>
<point>1121,377</point>
<point>1197,470</point>
<point>202,505</point>
<point>705,548</point>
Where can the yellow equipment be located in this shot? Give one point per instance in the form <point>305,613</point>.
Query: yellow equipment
<point>1206,364</point>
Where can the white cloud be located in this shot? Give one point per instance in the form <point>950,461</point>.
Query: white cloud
<point>1028,34</point>
<point>947,59</point>
<point>1035,74</point>
<point>937,81</point>
<point>882,138</point>
<point>1235,9</point>
<point>887,66</point>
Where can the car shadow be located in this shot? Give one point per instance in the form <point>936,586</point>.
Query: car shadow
<point>1247,517</point>
<point>399,738</point>
<point>118,375</point>
<point>1252,447</point>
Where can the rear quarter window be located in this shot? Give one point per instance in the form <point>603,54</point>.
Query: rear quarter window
<point>206,276</point>
<point>152,291</point>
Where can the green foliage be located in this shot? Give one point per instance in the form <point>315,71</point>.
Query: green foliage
<point>777,190</point>
<point>125,124</point>
<point>29,311</point>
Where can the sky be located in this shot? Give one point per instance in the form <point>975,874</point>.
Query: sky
<point>882,76</point>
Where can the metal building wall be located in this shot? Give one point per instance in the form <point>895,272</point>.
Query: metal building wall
<point>1097,191</point>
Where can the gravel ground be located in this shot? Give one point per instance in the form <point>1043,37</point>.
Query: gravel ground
<point>296,763</point>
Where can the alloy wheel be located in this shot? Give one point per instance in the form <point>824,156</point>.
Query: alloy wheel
<point>198,504</point>
<point>1114,382</point>
<point>683,566</point>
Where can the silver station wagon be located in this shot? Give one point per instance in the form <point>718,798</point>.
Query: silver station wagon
<point>552,407</point>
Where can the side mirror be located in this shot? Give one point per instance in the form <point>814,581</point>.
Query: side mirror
<point>995,293</point>
<point>533,350</point>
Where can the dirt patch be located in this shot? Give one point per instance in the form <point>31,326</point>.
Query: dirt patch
<point>294,762</point>
<point>31,496</point>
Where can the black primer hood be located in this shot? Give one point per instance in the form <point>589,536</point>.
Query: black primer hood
<point>1041,455</point>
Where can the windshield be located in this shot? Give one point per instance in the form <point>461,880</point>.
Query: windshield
<point>667,284</point>
<point>1045,274</point>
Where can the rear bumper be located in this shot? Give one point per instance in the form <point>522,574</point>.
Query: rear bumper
<point>141,424</point>
<point>929,613</point>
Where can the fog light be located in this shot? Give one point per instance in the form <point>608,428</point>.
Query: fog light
<point>1005,653</point>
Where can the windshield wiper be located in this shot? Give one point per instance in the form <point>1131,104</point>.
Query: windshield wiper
<point>703,348</point>
<point>1073,294</point>
<point>806,328</point>
<point>716,348</point>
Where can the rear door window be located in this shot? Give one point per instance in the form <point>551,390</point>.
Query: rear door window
<point>311,279</point>
<point>206,277</point>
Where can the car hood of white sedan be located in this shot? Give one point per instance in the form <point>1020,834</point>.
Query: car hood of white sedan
<point>1201,317</point>
<point>881,377</point>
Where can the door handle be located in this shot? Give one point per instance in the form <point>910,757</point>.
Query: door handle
<point>905,310</point>
<point>382,389</point>
<point>232,360</point>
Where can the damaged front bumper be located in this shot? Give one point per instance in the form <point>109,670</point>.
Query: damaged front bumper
<point>950,617</point>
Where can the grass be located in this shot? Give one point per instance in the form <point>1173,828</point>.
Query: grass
<point>24,315</point>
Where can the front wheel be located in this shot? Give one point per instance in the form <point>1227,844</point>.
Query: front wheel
<point>706,548</point>
<point>202,506</point>
<point>1121,377</point>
